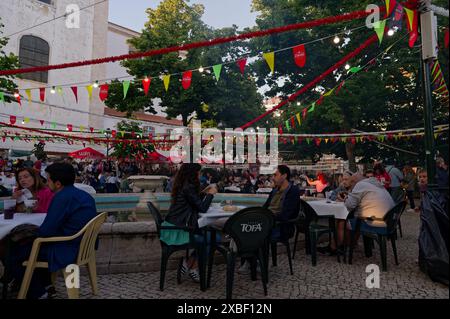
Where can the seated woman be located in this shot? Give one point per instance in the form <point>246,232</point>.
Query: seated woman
<point>320,183</point>
<point>30,186</point>
<point>184,210</point>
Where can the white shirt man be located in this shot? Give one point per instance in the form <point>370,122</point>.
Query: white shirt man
<point>368,198</point>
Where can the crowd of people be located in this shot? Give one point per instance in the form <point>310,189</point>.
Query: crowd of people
<point>54,190</point>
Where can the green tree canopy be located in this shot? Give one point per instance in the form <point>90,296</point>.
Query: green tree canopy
<point>226,102</point>
<point>7,61</point>
<point>382,97</point>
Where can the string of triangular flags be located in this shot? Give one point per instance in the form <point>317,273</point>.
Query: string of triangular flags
<point>358,139</point>
<point>317,139</point>
<point>438,82</point>
<point>301,116</point>
<point>298,52</point>
<point>13,119</point>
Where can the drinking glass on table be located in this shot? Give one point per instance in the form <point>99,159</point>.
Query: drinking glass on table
<point>9,206</point>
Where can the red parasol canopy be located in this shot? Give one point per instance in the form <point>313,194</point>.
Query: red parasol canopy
<point>87,153</point>
<point>157,157</point>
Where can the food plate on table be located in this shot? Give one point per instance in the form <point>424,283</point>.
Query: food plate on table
<point>230,208</point>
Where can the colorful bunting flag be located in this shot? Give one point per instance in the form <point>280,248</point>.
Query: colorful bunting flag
<point>298,119</point>
<point>217,70</point>
<point>390,6</point>
<point>329,92</point>
<point>146,84</point>
<point>292,122</point>
<point>126,86</point>
<point>287,125</point>
<point>379,27</point>
<point>186,79</point>
<point>28,93</point>
<point>305,110</point>
<point>242,63</point>
<point>26,120</point>
<point>313,107</point>
<point>75,92</point>
<point>54,125</point>
<point>42,94</point>
<point>91,129</point>
<point>166,80</point>
<point>299,55</point>
<point>59,90</point>
<point>354,69</point>
<point>398,17</point>
<point>320,100</point>
<point>81,128</point>
<point>338,89</point>
<point>69,127</point>
<point>412,23</point>
<point>42,122</point>
<point>103,93</point>
<point>89,90</point>
<point>17,95</point>
<point>12,119</point>
<point>270,59</point>
<point>317,141</point>
<point>2,97</point>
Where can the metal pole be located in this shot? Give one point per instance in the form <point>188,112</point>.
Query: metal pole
<point>430,156</point>
<point>430,159</point>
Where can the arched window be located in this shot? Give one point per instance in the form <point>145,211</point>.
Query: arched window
<point>34,52</point>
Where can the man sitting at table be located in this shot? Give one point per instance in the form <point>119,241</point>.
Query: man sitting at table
<point>70,210</point>
<point>284,202</point>
<point>368,198</point>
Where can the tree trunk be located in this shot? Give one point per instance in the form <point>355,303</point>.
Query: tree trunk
<point>349,150</point>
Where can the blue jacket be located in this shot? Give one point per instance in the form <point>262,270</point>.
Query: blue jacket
<point>290,207</point>
<point>70,210</point>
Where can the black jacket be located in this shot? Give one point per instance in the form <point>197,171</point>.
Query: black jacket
<point>186,207</point>
<point>290,207</point>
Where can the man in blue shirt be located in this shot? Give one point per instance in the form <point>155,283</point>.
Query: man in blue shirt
<point>70,210</point>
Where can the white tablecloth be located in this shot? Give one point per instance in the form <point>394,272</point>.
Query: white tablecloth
<point>336,209</point>
<point>232,188</point>
<point>264,190</point>
<point>7,225</point>
<point>213,213</point>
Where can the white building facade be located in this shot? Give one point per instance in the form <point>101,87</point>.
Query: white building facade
<point>61,41</point>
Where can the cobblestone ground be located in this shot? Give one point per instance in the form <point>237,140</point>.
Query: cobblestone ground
<point>329,279</point>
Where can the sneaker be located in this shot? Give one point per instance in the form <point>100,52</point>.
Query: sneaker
<point>244,269</point>
<point>51,291</point>
<point>44,296</point>
<point>195,276</point>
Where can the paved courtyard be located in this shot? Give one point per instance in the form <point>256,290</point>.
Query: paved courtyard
<point>328,279</point>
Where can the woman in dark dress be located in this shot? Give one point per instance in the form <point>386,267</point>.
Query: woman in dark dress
<point>187,202</point>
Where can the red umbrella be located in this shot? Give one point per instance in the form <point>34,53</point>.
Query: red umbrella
<point>86,153</point>
<point>157,157</point>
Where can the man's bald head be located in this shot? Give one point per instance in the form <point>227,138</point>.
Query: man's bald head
<point>357,177</point>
